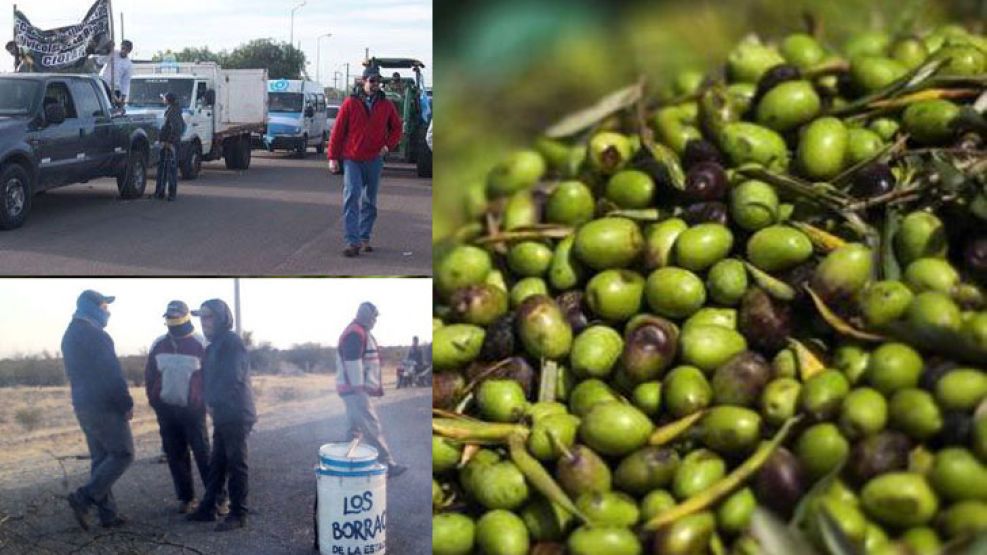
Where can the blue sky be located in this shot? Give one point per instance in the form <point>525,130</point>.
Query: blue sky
<point>388,27</point>
<point>282,311</point>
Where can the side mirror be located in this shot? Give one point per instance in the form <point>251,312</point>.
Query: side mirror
<point>210,97</point>
<point>54,113</point>
<point>310,112</point>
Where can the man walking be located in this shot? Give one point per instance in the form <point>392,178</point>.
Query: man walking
<point>171,139</point>
<point>102,405</point>
<point>117,71</point>
<point>173,378</point>
<point>366,129</point>
<point>230,399</point>
<point>358,377</point>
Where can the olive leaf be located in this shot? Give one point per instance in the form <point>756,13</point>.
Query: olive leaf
<point>837,542</point>
<point>821,239</point>
<point>774,538</point>
<point>839,324</point>
<point>800,516</point>
<point>890,268</point>
<point>910,81</point>
<point>538,477</point>
<point>588,117</point>
<point>548,380</point>
<point>638,214</point>
<point>772,285</point>
<point>808,363</point>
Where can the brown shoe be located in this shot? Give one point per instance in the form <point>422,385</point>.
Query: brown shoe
<point>351,251</point>
<point>367,247</point>
<point>186,507</point>
<point>79,509</point>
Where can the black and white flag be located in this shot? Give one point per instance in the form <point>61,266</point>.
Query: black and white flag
<point>66,49</point>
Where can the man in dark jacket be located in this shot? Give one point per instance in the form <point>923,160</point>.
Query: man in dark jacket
<point>231,403</point>
<point>171,139</point>
<point>102,405</point>
<point>173,379</point>
<point>366,129</point>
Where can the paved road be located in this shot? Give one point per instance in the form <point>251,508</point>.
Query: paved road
<point>281,217</point>
<point>35,519</point>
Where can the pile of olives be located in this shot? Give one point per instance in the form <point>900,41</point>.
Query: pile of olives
<point>759,290</point>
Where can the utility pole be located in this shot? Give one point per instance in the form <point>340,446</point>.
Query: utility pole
<point>293,10</point>
<point>346,85</point>
<point>318,57</point>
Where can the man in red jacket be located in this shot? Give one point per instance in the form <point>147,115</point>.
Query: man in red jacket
<point>366,129</point>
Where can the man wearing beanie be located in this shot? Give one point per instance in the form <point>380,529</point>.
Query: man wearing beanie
<point>228,394</point>
<point>366,129</point>
<point>358,377</point>
<point>102,405</point>
<point>173,379</point>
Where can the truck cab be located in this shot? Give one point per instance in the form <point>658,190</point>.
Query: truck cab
<point>297,117</point>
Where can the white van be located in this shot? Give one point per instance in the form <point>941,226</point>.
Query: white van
<point>297,116</point>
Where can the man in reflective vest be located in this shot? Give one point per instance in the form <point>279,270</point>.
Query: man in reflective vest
<point>358,377</point>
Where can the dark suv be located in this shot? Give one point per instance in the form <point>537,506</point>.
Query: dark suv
<point>58,130</point>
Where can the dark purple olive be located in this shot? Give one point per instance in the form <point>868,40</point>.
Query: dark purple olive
<point>880,453</point>
<point>706,212</point>
<point>515,368</point>
<point>872,180</point>
<point>765,321</point>
<point>499,341</point>
<point>705,181</point>
<point>798,277</point>
<point>975,257</point>
<point>774,77</point>
<point>935,369</point>
<point>650,345</point>
<point>574,310</point>
<point>447,389</point>
<point>957,429</point>
<point>781,482</point>
<point>740,380</point>
<point>644,161</point>
<point>583,471</point>
<point>698,151</point>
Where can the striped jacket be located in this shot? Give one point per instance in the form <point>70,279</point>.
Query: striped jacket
<point>358,362</point>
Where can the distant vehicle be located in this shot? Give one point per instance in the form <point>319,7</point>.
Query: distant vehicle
<point>221,107</point>
<point>414,106</point>
<point>58,129</point>
<point>331,114</point>
<point>297,117</point>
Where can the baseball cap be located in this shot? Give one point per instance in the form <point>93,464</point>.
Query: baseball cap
<point>94,297</point>
<point>176,309</point>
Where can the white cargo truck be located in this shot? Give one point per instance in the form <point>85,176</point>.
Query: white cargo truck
<point>221,108</point>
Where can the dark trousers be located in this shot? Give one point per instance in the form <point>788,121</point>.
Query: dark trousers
<point>228,462</point>
<point>183,430</point>
<point>111,449</point>
<point>167,172</point>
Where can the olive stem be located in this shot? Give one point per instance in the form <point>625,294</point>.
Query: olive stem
<point>452,415</point>
<point>484,373</point>
<point>671,431</point>
<point>727,485</point>
<point>476,432</point>
<point>910,82</point>
<point>542,232</point>
<point>536,474</point>
<point>640,215</point>
<point>548,380</point>
<point>772,285</point>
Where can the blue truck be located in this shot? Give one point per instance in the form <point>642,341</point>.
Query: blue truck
<point>57,130</point>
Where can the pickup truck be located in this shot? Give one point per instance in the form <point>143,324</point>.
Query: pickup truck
<point>57,130</point>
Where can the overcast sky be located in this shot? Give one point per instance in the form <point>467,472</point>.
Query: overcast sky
<point>390,28</point>
<point>284,312</point>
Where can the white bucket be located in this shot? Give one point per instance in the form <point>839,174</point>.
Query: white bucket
<point>351,513</point>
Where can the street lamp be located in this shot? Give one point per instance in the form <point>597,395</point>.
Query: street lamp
<point>293,10</point>
<point>318,57</point>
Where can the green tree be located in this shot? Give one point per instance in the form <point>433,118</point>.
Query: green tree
<point>192,54</point>
<point>282,60</point>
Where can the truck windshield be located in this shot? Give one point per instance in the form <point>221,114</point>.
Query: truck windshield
<point>285,102</point>
<point>146,92</point>
<point>17,96</point>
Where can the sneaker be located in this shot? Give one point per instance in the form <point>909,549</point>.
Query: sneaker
<point>114,522</point>
<point>171,199</point>
<point>223,507</point>
<point>395,470</point>
<point>367,247</point>
<point>186,507</point>
<point>79,509</point>
<point>201,515</point>
<point>232,522</point>
<point>351,251</point>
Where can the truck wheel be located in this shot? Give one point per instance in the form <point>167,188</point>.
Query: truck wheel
<point>321,148</point>
<point>302,149</point>
<point>134,179</point>
<point>245,153</point>
<point>230,153</point>
<point>424,162</point>
<point>15,196</point>
<point>192,164</point>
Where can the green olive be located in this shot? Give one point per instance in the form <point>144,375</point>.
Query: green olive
<point>920,235</point>
<point>844,271</point>
<point>823,394</point>
<point>646,469</point>
<point>734,514</point>
<point>456,345</point>
<point>501,532</point>
<point>518,171</point>
<point>750,59</point>
<point>452,534</point>
<point>686,390</point>
<point>802,50</point>
<point>631,189</point>
<point>609,243</point>
<point>527,287</point>
<point>892,367</point>
<point>546,521</point>
<point>674,292</point>
<point>778,247</point>
<point>871,73</point>
<point>852,360</point>
<point>615,295</point>
<point>745,142</point>
<point>687,536</point>
<point>707,347</point>
<point>520,211</point>
<point>477,463</point>
<point>899,499</point>
<point>464,265</point>
<point>479,304</point>
<point>595,350</point>
<point>501,400</point>
<point>647,397</point>
<point>823,147</point>
<point>915,412</point>
<point>561,427</point>
<point>587,540</point>
<point>615,429</point>
<point>543,329</point>
<point>581,471</point>
<point>867,43</point>
<point>609,151</point>
<point>922,541</point>
<point>933,316</point>
<point>965,518</point>
<point>821,448</point>
<point>788,105</point>
<point>529,259</point>
<point>753,205</point>
<point>713,316</point>
<point>961,389</point>
<point>571,203</point>
<point>565,272</point>
<point>963,60</point>
<point>702,245</point>
<point>957,475</point>
<point>931,274</point>
<point>656,502</point>
<point>779,400</point>
<point>445,454</point>
<point>676,127</point>
<point>785,364</point>
<point>659,239</point>
<point>731,430</point>
<point>864,412</point>
<point>910,52</point>
<point>500,485</point>
<point>862,144</point>
<point>883,302</point>
<point>699,470</point>
<point>609,508</point>
<point>886,128</point>
<point>588,393</point>
<point>930,121</point>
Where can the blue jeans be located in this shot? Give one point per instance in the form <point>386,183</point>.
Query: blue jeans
<point>167,173</point>
<point>360,183</point>
<point>111,450</point>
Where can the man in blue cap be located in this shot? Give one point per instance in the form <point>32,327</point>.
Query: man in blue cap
<point>102,405</point>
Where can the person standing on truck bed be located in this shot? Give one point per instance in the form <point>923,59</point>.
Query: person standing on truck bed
<point>366,129</point>
<point>117,71</point>
<point>171,139</point>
